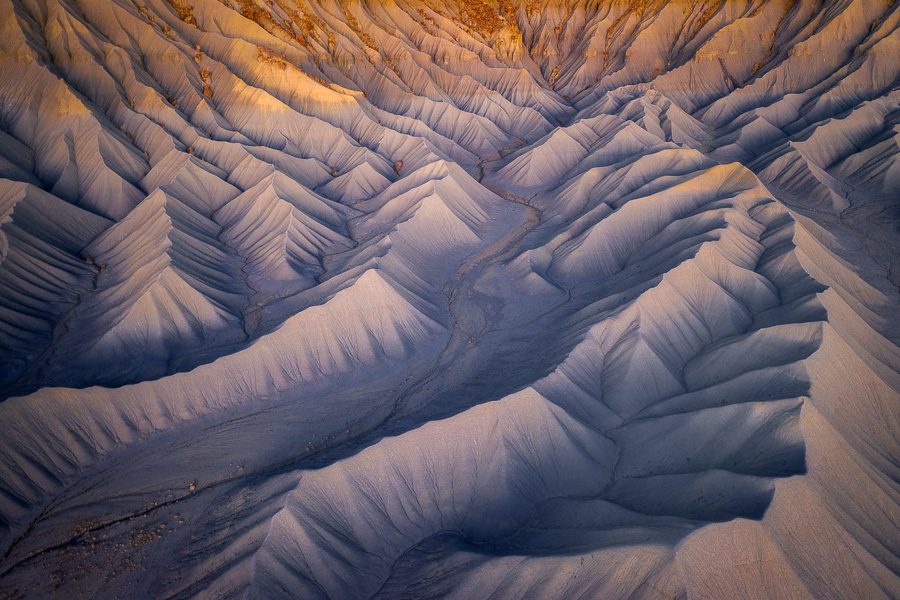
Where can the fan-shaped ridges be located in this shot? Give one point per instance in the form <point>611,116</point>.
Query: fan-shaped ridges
<point>413,299</point>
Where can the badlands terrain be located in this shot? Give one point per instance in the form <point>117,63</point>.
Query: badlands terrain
<point>449,298</point>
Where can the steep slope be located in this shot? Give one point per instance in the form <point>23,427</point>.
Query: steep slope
<point>468,299</point>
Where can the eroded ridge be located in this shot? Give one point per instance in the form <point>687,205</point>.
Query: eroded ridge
<point>469,299</point>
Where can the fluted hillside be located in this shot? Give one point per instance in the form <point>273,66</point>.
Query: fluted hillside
<point>458,298</point>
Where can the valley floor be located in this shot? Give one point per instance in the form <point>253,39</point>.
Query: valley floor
<point>413,299</point>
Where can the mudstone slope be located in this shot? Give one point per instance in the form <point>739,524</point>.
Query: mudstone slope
<point>413,299</point>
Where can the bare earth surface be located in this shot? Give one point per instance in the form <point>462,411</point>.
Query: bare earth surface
<point>458,299</point>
